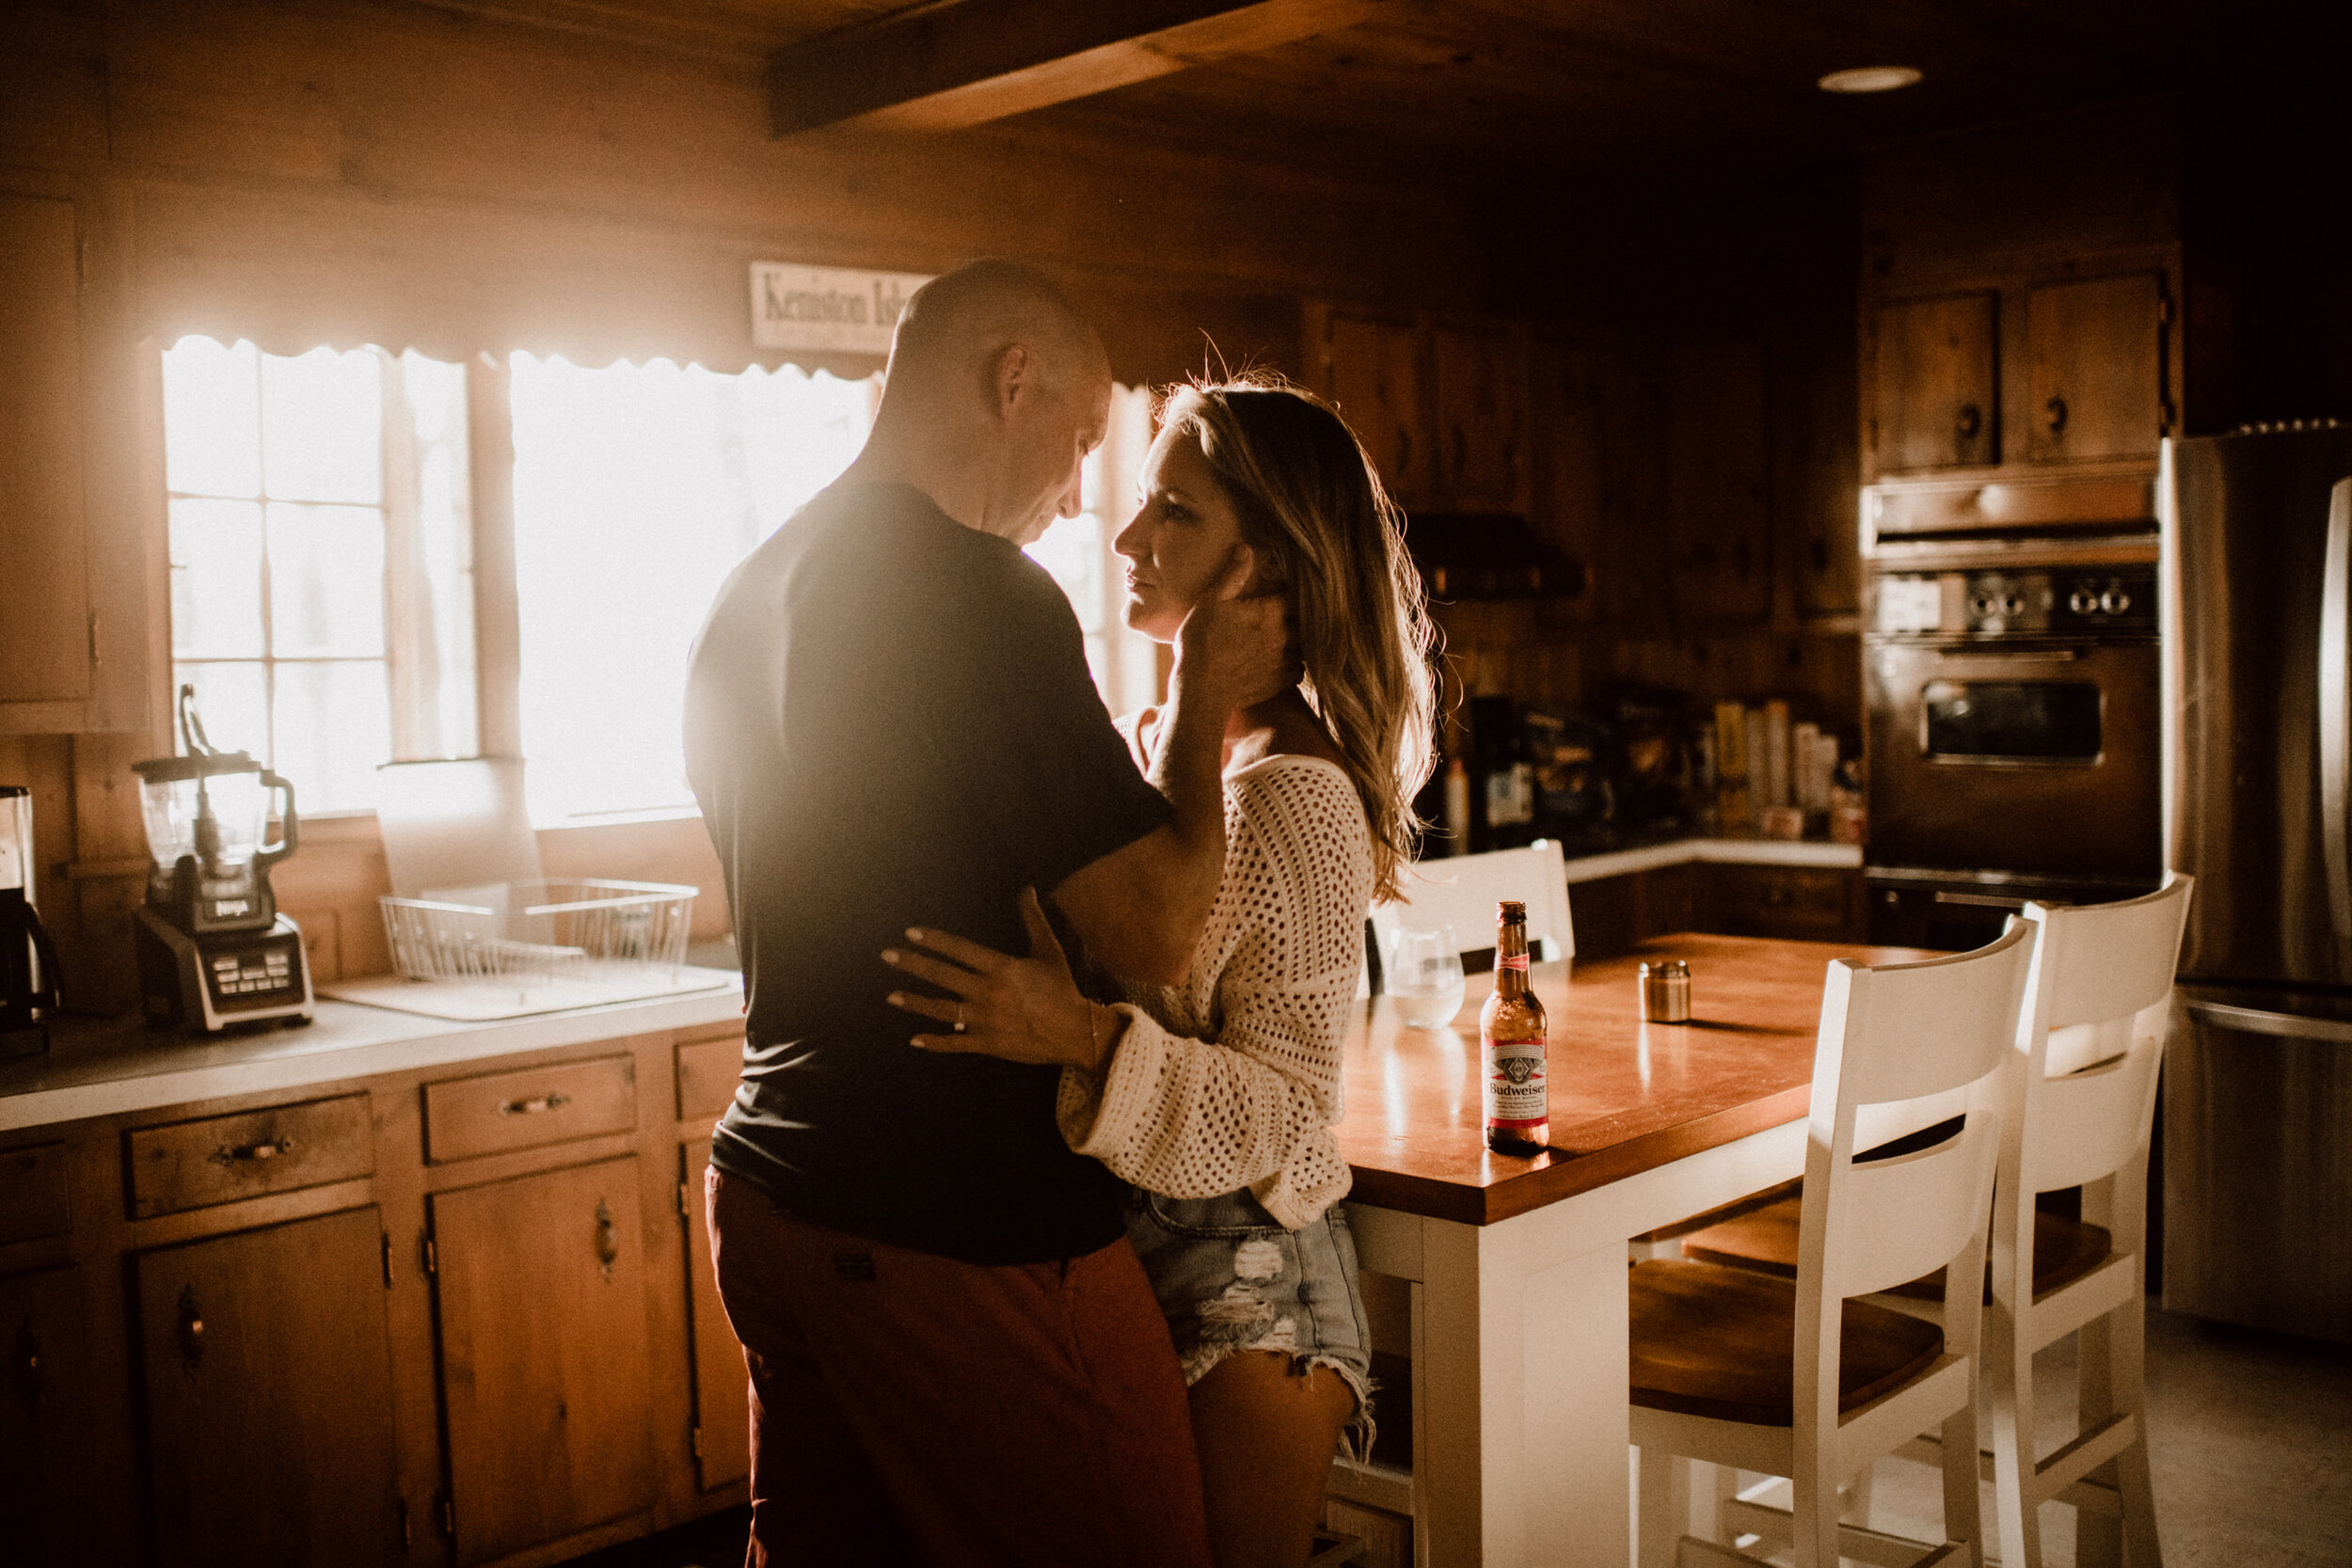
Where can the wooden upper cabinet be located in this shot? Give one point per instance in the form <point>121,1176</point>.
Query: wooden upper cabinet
<point>1480,417</point>
<point>541,1285</point>
<point>267,1366</point>
<point>1375,379</point>
<point>1717,479</point>
<point>2095,350</point>
<point>1934,375</point>
<point>45,633</point>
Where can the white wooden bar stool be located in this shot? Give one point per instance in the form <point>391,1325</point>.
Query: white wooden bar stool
<point>1794,1378</point>
<point>1461,891</point>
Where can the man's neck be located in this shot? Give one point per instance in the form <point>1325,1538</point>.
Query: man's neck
<point>955,481</point>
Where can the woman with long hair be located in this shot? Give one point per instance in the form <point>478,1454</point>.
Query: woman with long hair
<point>1216,1098</point>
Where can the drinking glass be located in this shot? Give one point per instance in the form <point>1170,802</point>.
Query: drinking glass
<point>1424,975</point>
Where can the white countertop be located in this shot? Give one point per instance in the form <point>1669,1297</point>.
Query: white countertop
<point>1731,851</point>
<point>98,1068</point>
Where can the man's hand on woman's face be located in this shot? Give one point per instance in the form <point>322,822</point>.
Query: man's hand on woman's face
<point>1233,651</point>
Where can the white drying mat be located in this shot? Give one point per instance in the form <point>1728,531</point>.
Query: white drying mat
<point>478,1001</point>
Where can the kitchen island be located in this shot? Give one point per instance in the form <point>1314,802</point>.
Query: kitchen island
<point>1518,1265</point>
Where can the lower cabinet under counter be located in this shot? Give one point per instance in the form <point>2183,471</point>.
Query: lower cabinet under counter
<point>498,1360</point>
<point>1799,903</point>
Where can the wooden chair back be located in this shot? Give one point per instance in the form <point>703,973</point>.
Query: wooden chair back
<point>2084,1101</point>
<point>1461,891</point>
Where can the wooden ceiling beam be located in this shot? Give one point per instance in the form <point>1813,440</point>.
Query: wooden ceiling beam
<point>954,63</point>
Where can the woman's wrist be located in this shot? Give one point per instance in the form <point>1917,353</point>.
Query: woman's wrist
<point>1103,1028</point>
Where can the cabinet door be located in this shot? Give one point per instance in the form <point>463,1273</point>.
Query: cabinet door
<point>1571,479</point>
<point>2097,354</point>
<point>267,1370</point>
<point>45,634</point>
<point>1375,380</point>
<point>1481,407</point>
<point>541,1285</point>
<point>1793,902</point>
<point>1933,383</point>
<point>1718,473</point>
<point>722,1418</point>
<point>44,1388</point>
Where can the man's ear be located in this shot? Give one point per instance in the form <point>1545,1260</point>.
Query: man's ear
<point>1015,377</point>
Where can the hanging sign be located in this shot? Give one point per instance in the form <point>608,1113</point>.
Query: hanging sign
<point>840,309</point>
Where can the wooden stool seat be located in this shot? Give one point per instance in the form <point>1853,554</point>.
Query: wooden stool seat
<point>1765,1240</point>
<point>1719,1342</point>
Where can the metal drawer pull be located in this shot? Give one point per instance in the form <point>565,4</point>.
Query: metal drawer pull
<point>229,1154</point>
<point>28,1365</point>
<point>532,1107</point>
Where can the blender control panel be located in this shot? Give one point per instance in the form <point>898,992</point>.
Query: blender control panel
<point>262,973</point>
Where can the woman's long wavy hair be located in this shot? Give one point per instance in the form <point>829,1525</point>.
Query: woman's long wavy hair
<point>1327,535</point>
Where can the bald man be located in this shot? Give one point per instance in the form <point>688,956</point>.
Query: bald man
<point>954,1355</point>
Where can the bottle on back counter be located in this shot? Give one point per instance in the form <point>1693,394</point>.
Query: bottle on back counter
<point>1511,1041</point>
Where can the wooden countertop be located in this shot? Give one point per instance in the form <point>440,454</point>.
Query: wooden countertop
<point>1627,1096</point>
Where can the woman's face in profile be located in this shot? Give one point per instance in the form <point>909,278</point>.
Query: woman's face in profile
<point>1179,544</point>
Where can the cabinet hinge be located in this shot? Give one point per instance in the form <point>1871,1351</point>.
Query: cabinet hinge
<point>683,1212</point>
<point>695,1434</point>
<point>403,1526</point>
<point>449,1514</point>
<point>426,1258</point>
<point>2163,310</point>
<point>93,639</point>
<point>386,1236</point>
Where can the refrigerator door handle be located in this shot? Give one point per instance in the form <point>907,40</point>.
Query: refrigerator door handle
<point>2256,1021</point>
<point>2335,713</point>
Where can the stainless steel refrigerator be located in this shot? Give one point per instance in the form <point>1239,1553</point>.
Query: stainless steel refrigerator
<point>2258,764</point>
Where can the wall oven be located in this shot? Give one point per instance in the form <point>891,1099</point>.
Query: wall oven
<point>2012,710</point>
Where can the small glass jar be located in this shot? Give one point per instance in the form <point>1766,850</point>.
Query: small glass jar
<point>1666,991</point>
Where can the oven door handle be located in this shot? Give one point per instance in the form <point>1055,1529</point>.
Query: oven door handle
<point>1996,655</point>
<point>2335,712</point>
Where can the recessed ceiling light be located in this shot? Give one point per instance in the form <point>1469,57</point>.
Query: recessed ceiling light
<point>1869,78</point>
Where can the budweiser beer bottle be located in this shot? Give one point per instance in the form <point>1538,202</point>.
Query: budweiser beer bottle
<point>1511,1038</point>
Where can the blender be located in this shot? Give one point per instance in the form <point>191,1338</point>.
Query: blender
<point>29,963</point>
<point>214,952</point>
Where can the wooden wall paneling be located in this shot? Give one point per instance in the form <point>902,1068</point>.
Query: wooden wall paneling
<point>1717,479</point>
<point>266,1367</point>
<point>1373,372</point>
<point>44,635</point>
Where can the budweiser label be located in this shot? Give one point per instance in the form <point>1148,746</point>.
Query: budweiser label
<point>1515,1093</point>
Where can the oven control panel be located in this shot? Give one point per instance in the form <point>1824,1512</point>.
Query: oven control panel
<point>2060,601</point>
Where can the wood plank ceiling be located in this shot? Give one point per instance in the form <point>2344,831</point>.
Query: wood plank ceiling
<point>1487,91</point>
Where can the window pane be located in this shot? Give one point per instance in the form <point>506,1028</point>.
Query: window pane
<point>233,702</point>
<point>322,426</point>
<point>215,579</point>
<point>637,489</point>
<point>326,580</point>
<point>1071,549</point>
<point>334,728</point>
<point>429,572</point>
<point>212,418</point>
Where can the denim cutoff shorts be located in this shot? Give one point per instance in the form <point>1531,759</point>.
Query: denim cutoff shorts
<point>1230,1278</point>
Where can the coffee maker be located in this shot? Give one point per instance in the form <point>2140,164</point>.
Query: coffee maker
<point>29,961</point>
<point>212,950</point>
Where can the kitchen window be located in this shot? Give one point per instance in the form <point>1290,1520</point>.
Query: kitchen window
<point>322,570</point>
<point>323,573</point>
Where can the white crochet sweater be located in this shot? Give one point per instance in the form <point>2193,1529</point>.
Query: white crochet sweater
<point>1232,1080</point>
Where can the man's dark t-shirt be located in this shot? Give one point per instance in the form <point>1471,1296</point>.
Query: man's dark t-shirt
<point>890,723</point>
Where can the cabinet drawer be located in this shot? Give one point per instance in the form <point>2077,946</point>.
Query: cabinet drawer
<point>707,1072</point>
<point>194,1164</point>
<point>32,1193</point>
<point>499,1111</point>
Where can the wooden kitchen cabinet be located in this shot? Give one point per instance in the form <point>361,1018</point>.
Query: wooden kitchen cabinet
<point>1932,374</point>
<point>1372,373</point>
<point>73,634</point>
<point>266,1370</point>
<point>45,1394</point>
<point>1479,406</point>
<point>1799,903</point>
<point>2095,353</point>
<point>1718,481</point>
<point>541,1288</point>
<point>722,1422</point>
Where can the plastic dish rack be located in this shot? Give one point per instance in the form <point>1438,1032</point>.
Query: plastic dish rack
<point>564,932</point>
